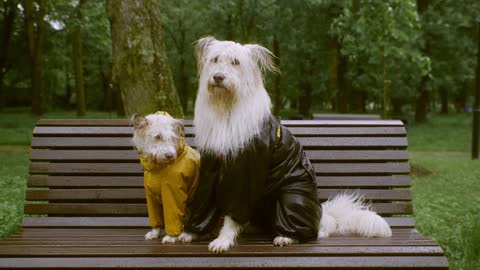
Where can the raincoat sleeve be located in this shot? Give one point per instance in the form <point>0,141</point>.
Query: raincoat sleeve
<point>204,213</point>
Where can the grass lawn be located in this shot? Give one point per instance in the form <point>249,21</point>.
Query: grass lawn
<point>446,200</point>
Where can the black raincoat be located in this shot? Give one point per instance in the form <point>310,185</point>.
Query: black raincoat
<point>270,183</point>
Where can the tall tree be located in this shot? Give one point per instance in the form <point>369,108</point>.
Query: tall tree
<point>140,64</point>
<point>476,105</point>
<point>10,13</point>
<point>78,62</point>
<point>421,106</point>
<point>35,33</point>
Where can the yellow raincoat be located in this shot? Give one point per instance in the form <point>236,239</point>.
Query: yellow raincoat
<point>168,189</point>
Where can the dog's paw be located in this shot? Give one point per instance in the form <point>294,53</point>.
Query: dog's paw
<point>167,239</point>
<point>186,237</point>
<point>281,241</point>
<point>220,245</point>
<point>153,234</point>
<point>322,234</point>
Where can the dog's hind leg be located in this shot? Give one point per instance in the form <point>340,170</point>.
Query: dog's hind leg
<point>226,238</point>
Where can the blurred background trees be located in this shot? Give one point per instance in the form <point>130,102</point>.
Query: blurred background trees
<point>398,58</point>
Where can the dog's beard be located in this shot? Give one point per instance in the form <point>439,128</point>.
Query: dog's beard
<point>222,96</point>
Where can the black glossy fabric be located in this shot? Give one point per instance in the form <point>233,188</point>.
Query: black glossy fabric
<point>270,183</point>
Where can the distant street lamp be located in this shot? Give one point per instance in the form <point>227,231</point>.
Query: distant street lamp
<point>476,106</point>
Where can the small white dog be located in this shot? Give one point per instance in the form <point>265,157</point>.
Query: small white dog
<point>253,170</point>
<point>170,172</point>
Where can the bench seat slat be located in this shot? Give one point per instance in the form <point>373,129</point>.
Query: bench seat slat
<point>137,181</point>
<point>288,123</point>
<point>139,193</point>
<point>307,142</point>
<point>140,209</point>
<point>128,222</point>
<point>363,262</point>
<point>200,250</point>
<point>136,168</point>
<point>126,131</point>
<point>132,155</point>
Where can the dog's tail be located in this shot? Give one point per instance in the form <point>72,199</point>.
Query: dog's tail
<point>348,214</point>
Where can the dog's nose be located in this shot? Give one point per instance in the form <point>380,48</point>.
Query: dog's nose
<point>218,77</point>
<point>169,155</point>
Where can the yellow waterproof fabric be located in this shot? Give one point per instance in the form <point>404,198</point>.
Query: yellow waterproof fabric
<point>168,189</point>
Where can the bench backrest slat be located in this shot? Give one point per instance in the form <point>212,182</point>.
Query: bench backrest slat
<point>89,167</point>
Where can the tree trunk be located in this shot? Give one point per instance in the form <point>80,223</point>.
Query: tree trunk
<point>421,106</point>
<point>28,24</point>
<point>277,100</point>
<point>341,84</point>
<point>476,105</point>
<point>460,99</point>
<point>336,77</point>
<point>107,88</point>
<point>397,105</point>
<point>10,10</point>
<point>78,63</point>
<point>357,101</point>
<point>305,99</point>
<point>332,72</point>
<point>140,65</point>
<point>444,100</point>
<point>183,77</point>
<point>37,61</point>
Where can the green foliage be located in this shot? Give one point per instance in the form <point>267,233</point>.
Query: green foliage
<point>388,48</point>
<point>381,42</point>
<point>449,28</point>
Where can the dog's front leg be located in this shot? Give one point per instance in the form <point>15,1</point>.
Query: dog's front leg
<point>281,241</point>
<point>153,234</point>
<point>186,237</point>
<point>226,238</point>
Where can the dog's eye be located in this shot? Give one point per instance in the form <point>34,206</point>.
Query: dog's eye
<point>158,137</point>
<point>235,62</point>
<point>215,60</point>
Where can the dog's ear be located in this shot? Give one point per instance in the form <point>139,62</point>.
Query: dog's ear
<point>179,128</point>
<point>263,57</point>
<point>201,48</point>
<point>138,121</point>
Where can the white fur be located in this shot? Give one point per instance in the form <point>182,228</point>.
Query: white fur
<point>167,239</point>
<point>230,114</point>
<point>186,237</point>
<point>347,214</point>
<point>227,237</point>
<point>153,234</point>
<point>281,241</point>
<point>158,139</point>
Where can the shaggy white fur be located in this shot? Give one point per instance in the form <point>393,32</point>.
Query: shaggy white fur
<point>347,214</point>
<point>227,236</point>
<point>157,136</point>
<point>229,113</point>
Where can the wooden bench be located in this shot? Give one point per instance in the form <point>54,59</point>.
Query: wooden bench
<point>345,116</point>
<point>85,203</point>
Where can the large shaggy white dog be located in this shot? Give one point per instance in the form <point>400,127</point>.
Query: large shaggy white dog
<point>231,112</point>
